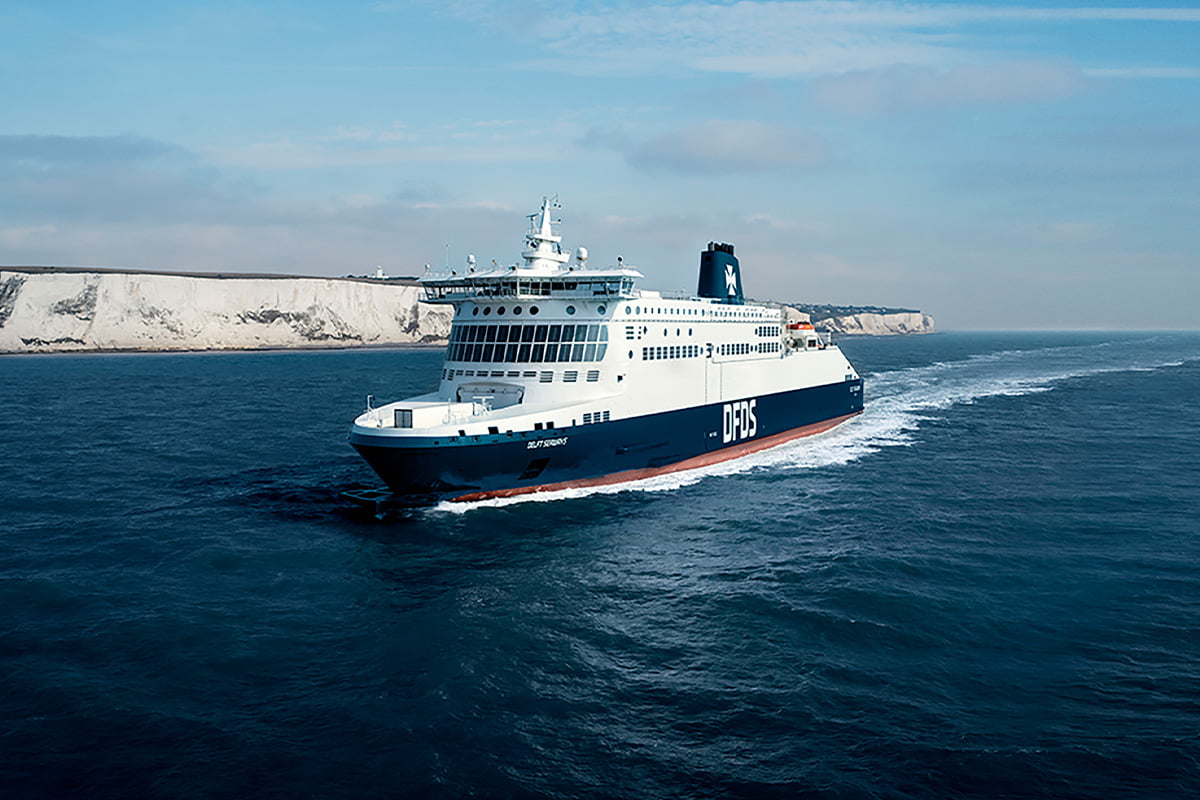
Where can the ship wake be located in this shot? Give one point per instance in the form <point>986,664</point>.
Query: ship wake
<point>897,404</point>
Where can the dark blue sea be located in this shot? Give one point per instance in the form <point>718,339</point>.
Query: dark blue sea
<point>987,586</point>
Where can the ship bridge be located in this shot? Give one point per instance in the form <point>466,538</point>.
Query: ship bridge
<point>511,284</point>
<point>548,272</point>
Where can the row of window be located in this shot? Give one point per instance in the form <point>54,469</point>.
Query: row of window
<point>533,310</point>
<point>489,289</point>
<point>546,288</point>
<point>745,348</point>
<point>677,351</point>
<point>768,330</point>
<point>471,334</point>
<point>589,418</point>
<point>533,287</point>
<point>719,311</point>
<point>633,332</point>
<point>527,353</point>
<point>544,376</point>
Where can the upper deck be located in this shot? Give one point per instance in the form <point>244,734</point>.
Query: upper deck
<point>515,283</point>
<point>547,272</point>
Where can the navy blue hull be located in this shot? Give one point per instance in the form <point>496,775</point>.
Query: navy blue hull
<point>469,467</point>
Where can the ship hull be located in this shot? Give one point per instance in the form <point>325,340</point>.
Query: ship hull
<point>468,468</point>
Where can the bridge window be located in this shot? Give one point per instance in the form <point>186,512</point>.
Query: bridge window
<point>550,343</point>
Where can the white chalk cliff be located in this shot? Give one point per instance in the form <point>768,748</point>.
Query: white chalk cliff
<point>866,323</point>
<point>879,324</point>
<point>50,310</point>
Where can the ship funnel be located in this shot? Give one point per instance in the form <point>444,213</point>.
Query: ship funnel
<point>720,276</point>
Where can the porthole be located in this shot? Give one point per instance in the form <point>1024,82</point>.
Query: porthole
<point>475,311</point>
<point>516,310</point>
<point>628,309</point>
<point>570,309</point>
<point>601,309</point>
<point>500,311</point>
<point>533,310</point>
<point>487,310</point>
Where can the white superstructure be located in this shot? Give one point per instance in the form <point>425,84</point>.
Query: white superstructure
<point>555,343</point>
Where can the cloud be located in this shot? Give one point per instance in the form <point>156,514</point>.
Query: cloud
<point>48,151</point>
<point>1071,233</point>
<point>916,88</point>
<point>130,202</point>
<point>716,147</point>
<point>110,178</point>
<point>19,237</point>
<point>1184,73</point>
<point>772,38</point>
<point>71,181</point>
<point>458,141</point>
<point>288,154</point>
<point>606,139</point>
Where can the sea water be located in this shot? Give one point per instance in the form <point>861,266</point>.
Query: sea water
<point>988,585</point>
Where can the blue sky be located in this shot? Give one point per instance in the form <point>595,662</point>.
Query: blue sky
<point>998,165</point>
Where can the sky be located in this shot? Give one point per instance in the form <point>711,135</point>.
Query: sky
<point>999,165</point>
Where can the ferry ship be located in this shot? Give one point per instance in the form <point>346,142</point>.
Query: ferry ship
<point>559,374</point>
